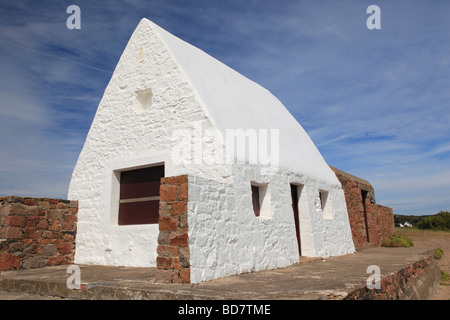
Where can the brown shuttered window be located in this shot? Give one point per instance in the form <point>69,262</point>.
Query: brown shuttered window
<point>139,195</point>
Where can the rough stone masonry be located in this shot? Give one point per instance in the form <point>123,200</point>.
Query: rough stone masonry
<point>36,232</point>
<point>173,261</point>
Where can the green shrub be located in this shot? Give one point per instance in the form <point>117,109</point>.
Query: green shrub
<point>397,241</point>
<point>445,278</point>
<point>440,221</point>
<point>414,220</point>
<point>438,253</point>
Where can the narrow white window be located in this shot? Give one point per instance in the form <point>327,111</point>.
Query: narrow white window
<point>325,204</point>
<point>261,200</point>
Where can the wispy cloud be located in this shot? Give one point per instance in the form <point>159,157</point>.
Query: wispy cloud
<point>376,103</point>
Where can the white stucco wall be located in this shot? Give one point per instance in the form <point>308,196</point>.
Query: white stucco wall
<point>124,136</point>
<point>226,237</point>
<point>232,101</point>
<point>150,100</point>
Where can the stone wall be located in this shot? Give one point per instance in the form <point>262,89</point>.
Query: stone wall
<point>386,221</point>
<point>173,261</point>
<point>370,222</point>
<point>416,281</point>
<point>36,232</point>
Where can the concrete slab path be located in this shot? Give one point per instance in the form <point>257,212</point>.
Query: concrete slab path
<point>330,278</point>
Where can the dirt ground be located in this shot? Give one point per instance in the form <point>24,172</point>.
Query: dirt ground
<point>429,239</point>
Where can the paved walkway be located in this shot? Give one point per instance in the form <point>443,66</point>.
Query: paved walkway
<point>334,277</point>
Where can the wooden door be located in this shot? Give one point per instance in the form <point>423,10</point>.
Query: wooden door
<point>294,197</point>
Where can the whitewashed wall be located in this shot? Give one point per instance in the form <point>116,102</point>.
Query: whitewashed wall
<point>124,135</point>
<point>226,237</point>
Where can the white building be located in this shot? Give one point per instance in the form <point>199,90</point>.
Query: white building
<point>174,109</point>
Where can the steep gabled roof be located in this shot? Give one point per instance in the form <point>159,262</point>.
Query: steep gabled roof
<point>232,101</point>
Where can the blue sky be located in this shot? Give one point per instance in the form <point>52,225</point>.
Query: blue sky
<point>375,102</point>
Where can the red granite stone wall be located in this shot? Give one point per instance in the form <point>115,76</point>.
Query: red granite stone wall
<point>370,223</point>
<point>36,232</point>
<point>173,260</point>
<point>386,222</point>
<point>394,286</point>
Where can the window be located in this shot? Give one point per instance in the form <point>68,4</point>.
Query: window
<point>255,200</point>
<point>325,204</point>
<point>261,200</point>
<point>139,195</point>
<point>323,195</point>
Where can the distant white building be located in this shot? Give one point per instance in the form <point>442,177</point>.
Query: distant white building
<point>260,193</point>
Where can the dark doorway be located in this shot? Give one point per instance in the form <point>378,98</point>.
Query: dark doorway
<point>255,200</point>
<point>364,197</point>
<point>295,197</point>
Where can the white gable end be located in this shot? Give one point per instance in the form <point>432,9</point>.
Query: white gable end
<point>232,101</point>
<point>164,88</point>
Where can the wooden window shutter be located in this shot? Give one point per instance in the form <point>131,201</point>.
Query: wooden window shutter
<point>139,195</point>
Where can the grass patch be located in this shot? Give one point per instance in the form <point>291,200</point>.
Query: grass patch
<point>415,230</point>
<point>445,278</point>
<point>438,253</point>
<point>396,241</point>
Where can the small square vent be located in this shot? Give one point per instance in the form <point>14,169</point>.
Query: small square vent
<point>143,100</point>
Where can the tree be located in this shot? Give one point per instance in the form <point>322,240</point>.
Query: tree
<point>440,221</point>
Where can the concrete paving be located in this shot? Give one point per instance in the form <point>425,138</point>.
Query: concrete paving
<point>330,278</point>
